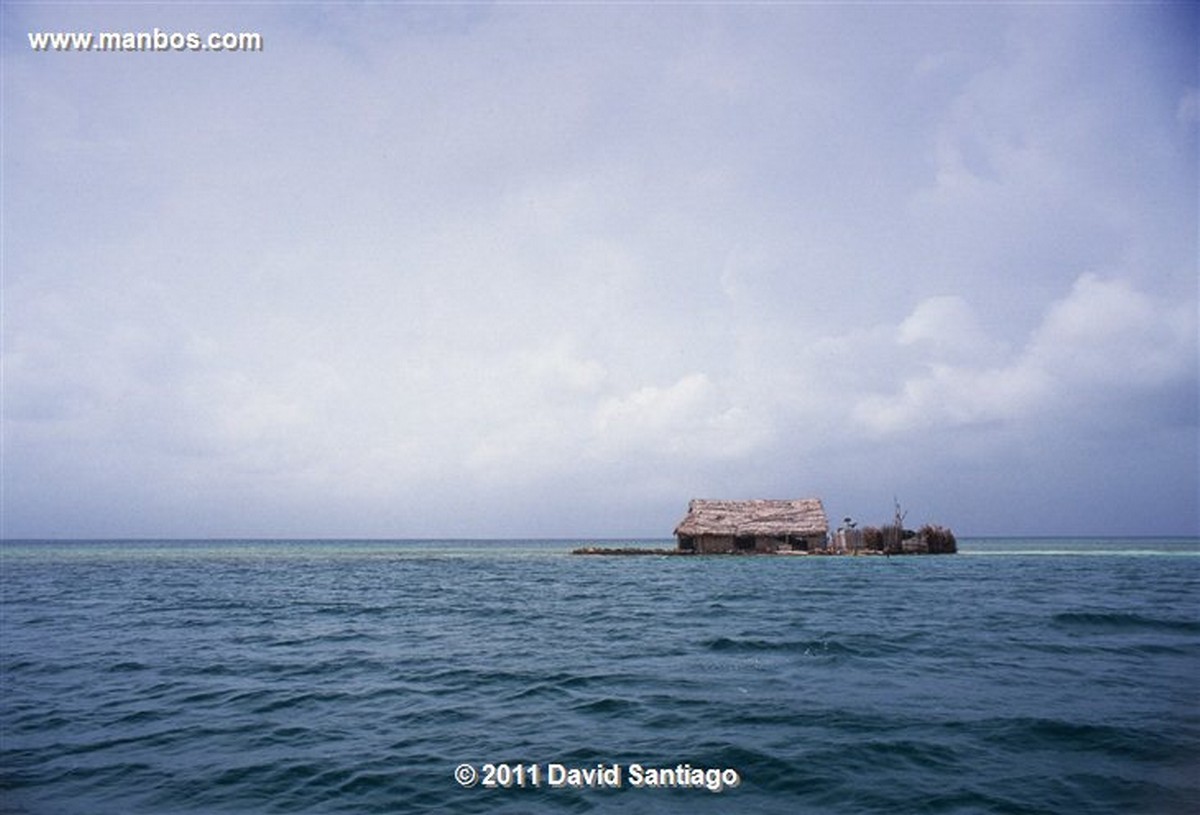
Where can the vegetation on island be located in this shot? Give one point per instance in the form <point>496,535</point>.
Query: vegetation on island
<point>895,539</point>
<point>892,540</point>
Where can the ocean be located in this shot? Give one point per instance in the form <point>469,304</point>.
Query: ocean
<point>1018,676</point>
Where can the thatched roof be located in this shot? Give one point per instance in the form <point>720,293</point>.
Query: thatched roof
<point>801,517</point>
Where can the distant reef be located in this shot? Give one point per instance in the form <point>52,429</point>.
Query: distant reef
<point>626,550</point>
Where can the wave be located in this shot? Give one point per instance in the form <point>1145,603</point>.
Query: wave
<point>1123,621</point>
<point>818,647</point>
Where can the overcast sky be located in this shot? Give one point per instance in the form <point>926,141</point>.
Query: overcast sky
<point>553,270</point>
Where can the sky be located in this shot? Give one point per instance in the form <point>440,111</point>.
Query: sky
<point>552,270</point>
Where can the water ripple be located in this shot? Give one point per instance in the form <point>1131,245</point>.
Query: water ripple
<point>352,678</point>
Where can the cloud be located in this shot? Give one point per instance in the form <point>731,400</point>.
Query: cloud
<point>1105,342</point>
<point>1108,333</point>
<point>687,420</point>
<point>946,328</point>
<point>425,270</point>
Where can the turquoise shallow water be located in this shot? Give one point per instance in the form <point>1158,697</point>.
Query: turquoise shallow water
<point>1020,676</point>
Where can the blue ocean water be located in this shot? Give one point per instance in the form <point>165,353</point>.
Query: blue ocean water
<point>1019,676</point>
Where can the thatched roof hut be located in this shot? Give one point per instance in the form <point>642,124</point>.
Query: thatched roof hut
<point>753,526</point>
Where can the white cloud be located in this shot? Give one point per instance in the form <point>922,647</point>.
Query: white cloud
<point>688,418</point>
<point>946,328</point>
<point>1104,341</point>
<point>560,367</point>
<point>1108,333</point>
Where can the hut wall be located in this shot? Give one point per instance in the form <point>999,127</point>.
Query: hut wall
<point>769,543</point>
<point>710,544</point>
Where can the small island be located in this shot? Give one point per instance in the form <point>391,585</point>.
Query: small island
<point>788,527</point>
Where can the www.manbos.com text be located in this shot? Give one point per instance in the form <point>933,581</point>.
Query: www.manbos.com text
<point>155,40</point>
